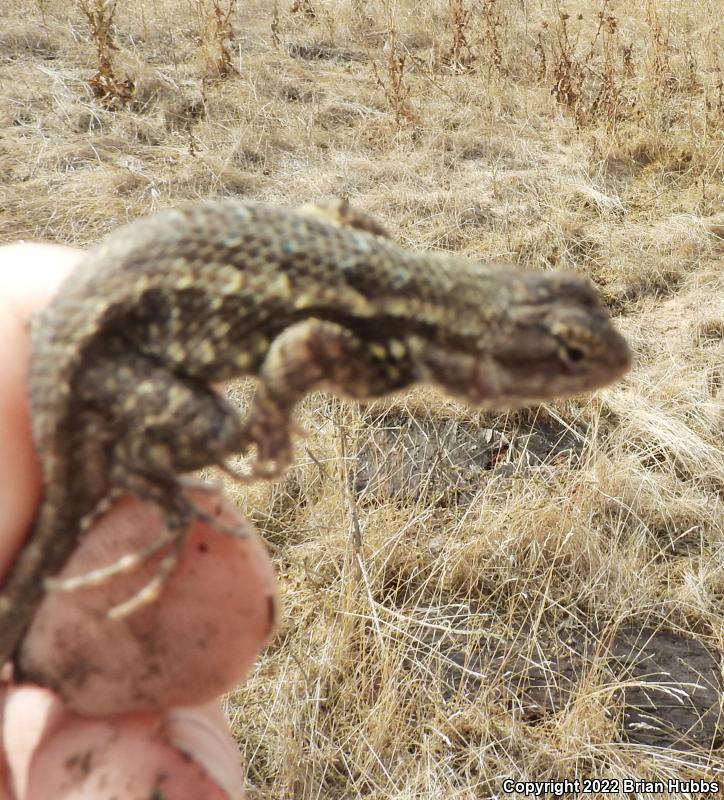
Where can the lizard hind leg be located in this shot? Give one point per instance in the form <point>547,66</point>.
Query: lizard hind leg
<point>164,425</point>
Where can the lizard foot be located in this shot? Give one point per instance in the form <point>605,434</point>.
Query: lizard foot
<point>152,590</point>
<point>176,538</point>
<point>122,566</point>
<point>173,537</point>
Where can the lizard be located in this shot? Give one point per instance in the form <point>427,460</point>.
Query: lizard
<point>125,357</point>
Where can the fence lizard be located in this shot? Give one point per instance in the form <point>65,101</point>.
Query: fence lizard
<point>124,357</point>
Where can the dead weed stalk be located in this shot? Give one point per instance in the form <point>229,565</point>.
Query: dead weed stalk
<point>660,48</point>
<point>314,16</point>
<point>275,37</point>
<point>461,56</point>
<point>221,37</point>
<point>585,79</point>
<point>607,100</point>
<point>393,83</point>
<point>305,7</point>
<point>106,86</point>
<point>492,21</point>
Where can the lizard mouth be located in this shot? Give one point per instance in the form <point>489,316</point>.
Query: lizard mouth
<point>504,383</point>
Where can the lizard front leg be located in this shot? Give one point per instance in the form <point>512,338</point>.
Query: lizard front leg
<point>309,355</point>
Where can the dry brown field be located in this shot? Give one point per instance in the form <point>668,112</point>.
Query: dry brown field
<point>466,596</point>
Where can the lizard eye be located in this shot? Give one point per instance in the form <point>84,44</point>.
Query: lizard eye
<point>572,354</point>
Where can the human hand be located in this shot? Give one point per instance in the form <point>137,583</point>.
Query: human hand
<point>133,710</point>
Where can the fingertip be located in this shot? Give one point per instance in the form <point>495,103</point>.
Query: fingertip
<point>132,754</point>
<point>29,276</point>
<point>195,641</point>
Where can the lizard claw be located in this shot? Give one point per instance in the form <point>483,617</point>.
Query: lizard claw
<point>272,438</point>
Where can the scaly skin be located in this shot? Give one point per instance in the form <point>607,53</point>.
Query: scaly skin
<point>124,357</point>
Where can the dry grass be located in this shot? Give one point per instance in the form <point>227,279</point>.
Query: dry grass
<point>576,134</point>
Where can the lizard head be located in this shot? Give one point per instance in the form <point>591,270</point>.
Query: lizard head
<point>554,339</point>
